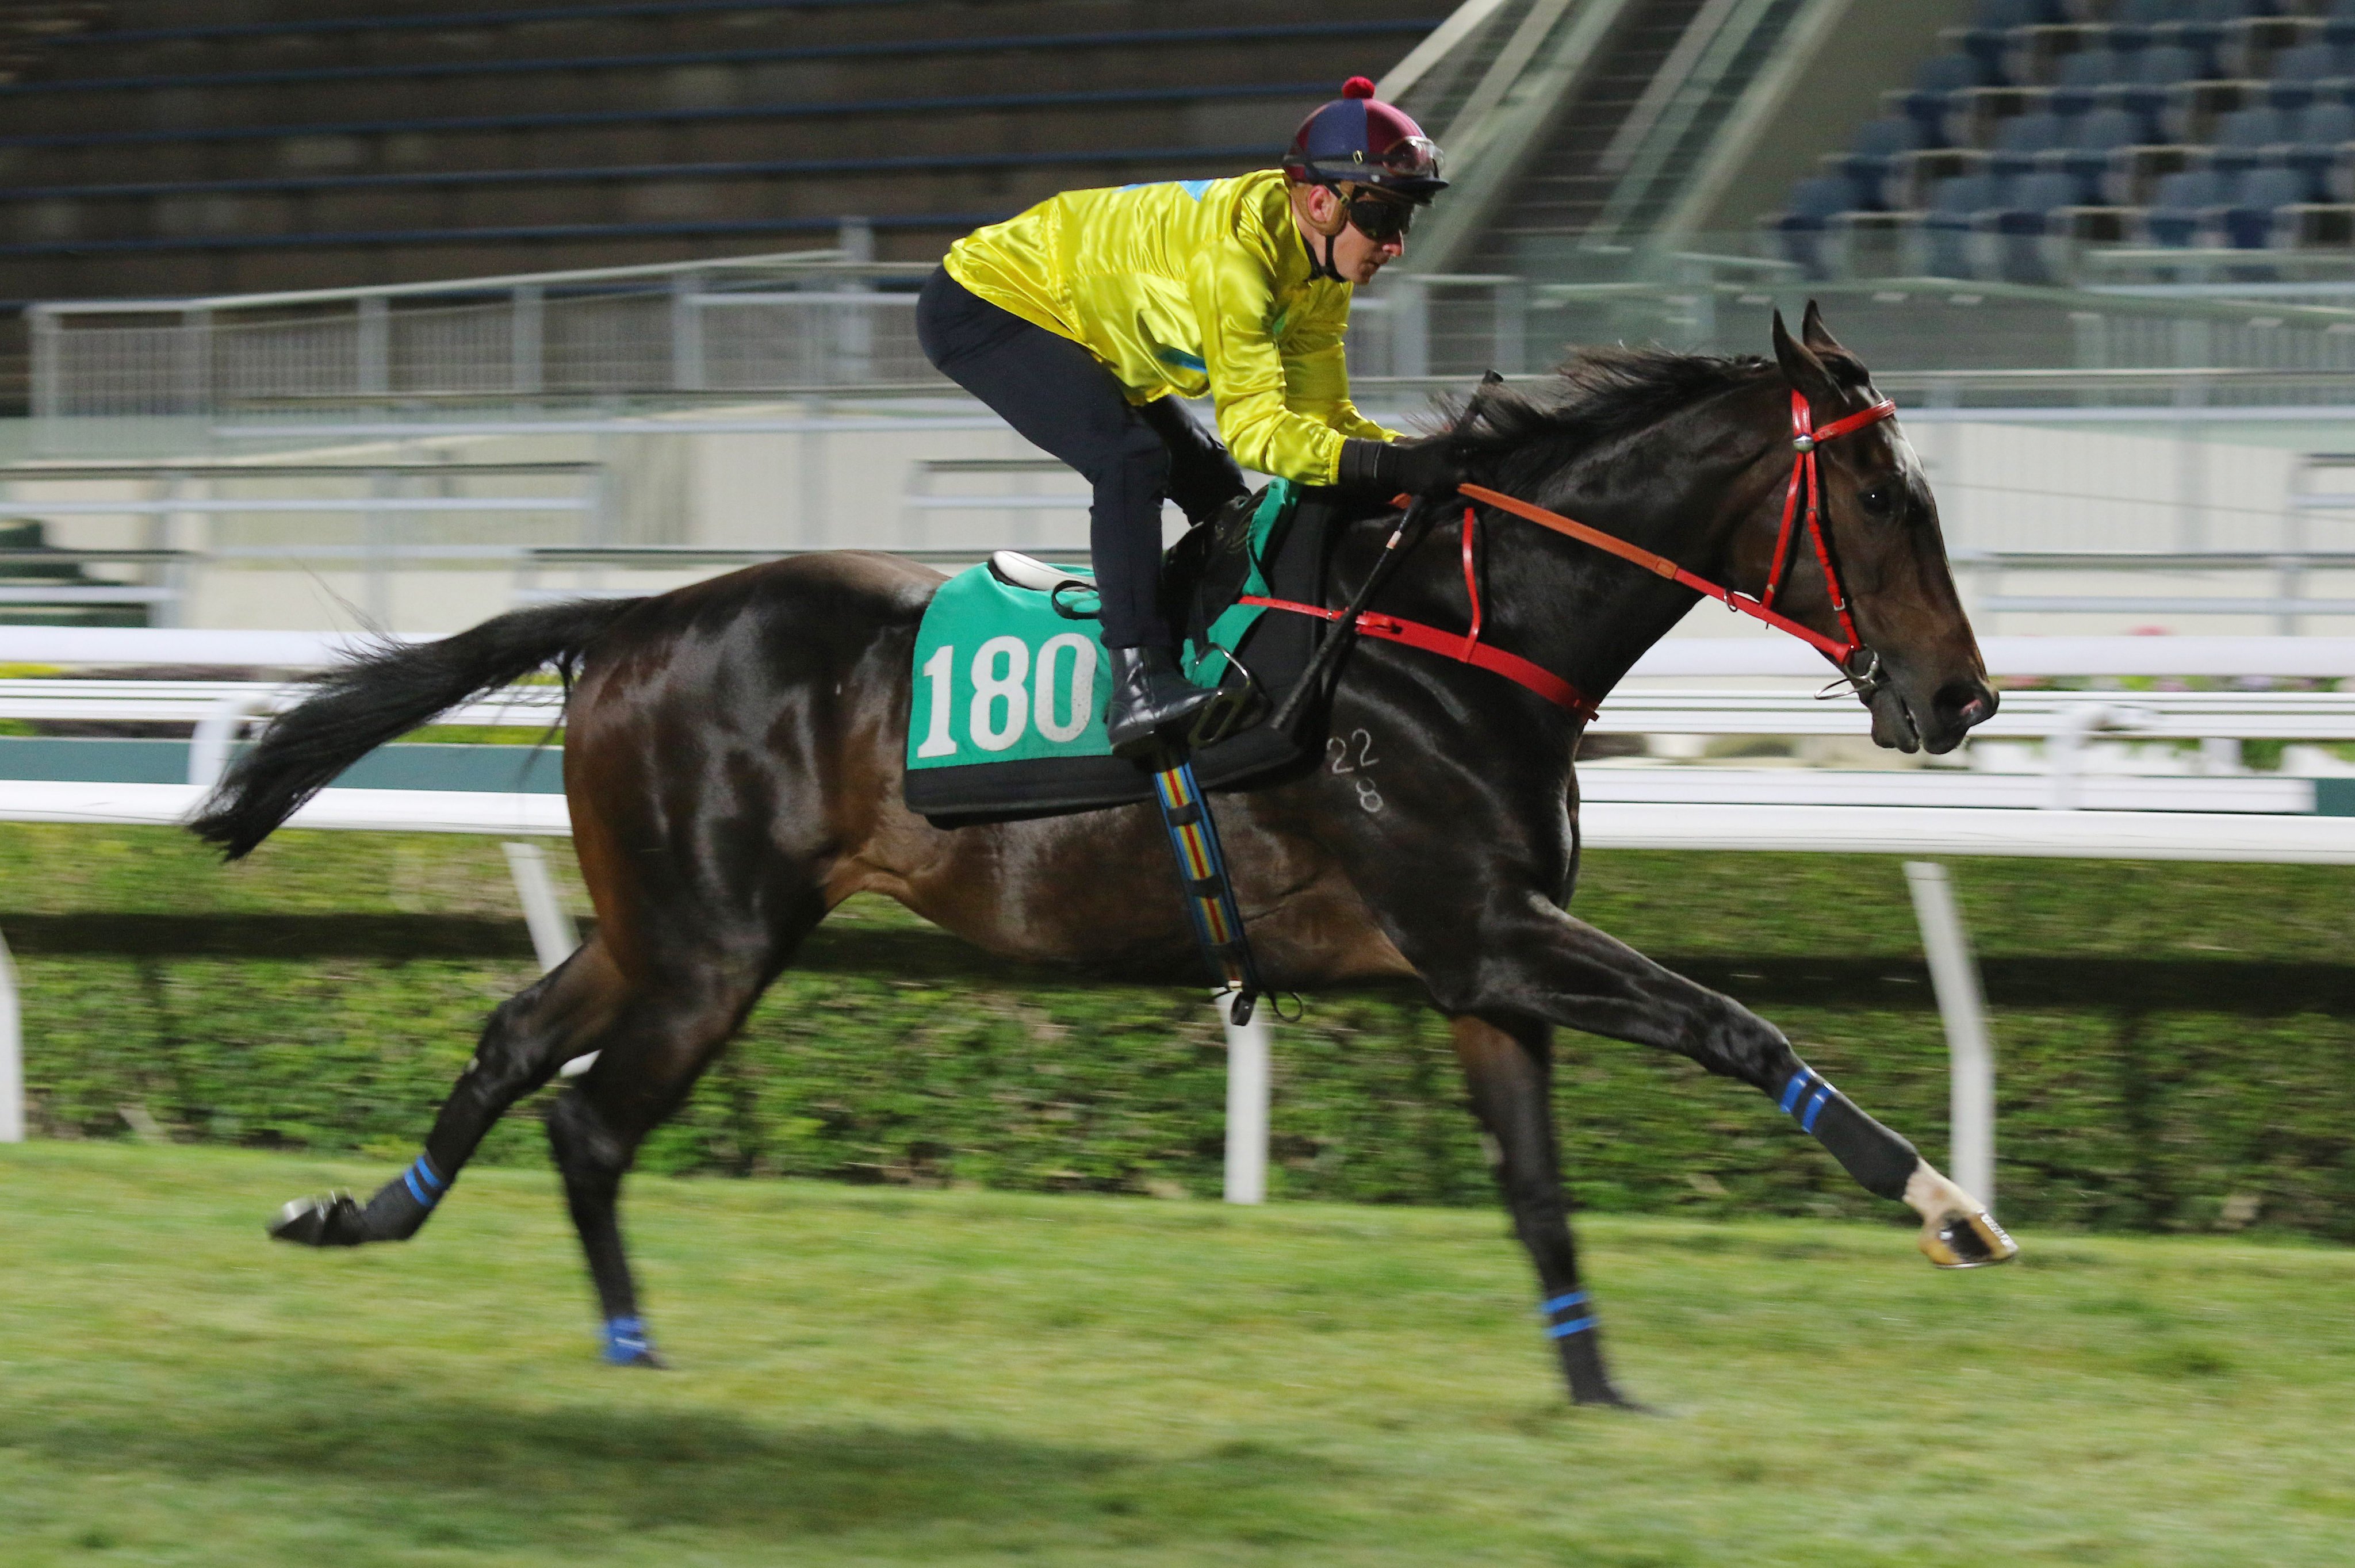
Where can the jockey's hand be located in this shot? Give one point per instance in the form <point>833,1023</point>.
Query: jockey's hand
<point>1425,467</point>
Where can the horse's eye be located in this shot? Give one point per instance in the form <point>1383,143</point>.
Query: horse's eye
<point>1877,499</point>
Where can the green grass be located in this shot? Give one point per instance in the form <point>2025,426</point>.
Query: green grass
<point>878,1376</point>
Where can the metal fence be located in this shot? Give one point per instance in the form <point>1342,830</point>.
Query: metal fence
<point>823,322</point>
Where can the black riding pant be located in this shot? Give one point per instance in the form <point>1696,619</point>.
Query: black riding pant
<point>1059,397</point>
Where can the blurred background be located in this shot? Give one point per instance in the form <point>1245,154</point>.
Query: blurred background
<point>417,313</point>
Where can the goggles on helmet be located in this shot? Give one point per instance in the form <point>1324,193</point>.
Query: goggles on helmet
<point>1415,159</point>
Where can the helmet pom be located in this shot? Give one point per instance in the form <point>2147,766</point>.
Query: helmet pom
<point>1358,87</point>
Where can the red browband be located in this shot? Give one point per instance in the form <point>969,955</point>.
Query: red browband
<point>1465,647</point>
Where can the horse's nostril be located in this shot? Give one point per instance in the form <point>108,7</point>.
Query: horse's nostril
<point>1970,703</point>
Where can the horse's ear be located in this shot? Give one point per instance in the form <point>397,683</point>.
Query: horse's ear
<point>1844,367</point>
<point>1813,331</point>
<point>1801,368</point>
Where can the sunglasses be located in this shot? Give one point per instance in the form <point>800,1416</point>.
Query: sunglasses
<point>1380,218</point>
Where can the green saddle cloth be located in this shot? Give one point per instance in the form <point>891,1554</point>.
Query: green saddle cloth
<point>1002,676</point>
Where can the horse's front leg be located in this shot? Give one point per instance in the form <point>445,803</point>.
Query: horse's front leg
<point>1533,961</point>
<point>1508,1068</point>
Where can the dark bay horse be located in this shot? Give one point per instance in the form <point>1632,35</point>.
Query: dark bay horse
<point>733,758</point>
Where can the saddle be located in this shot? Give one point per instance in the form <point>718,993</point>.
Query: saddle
<point>1005,717</point>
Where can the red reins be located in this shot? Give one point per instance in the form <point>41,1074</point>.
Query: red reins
<point>1466,647</point>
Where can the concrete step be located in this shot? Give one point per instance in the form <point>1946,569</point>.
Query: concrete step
<point>501,33</point>
<point>648,195</point>
<point>55,120</point>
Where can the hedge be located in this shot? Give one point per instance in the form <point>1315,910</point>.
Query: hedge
<point>2174,1041</point>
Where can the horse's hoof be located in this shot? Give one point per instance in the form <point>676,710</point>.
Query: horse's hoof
<point>1612,1399</point>
<point>332,1220</point>
<point>626,1345</point>
<point>1970,1239</point>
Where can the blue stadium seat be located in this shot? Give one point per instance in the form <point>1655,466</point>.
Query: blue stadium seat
<point>2311,72</point>
<point>1801,226</point>
<point>2090,152</point>
<point>2024,202</point>
<point>1990,37</point>
<point>1872,156</point>
<point>1935,80</point>
<point>2243,137</point>
<point>2164,65</point>
<point>2185,208</point>
<point>2139,80</point>
<point>2310,141</point>
<point>2326,124</point>
<point>2094,67</point>
<point>2022,141</point>
<point>2146,13</point>
<point>2317,62</point>
<point>2249,219</point>
<point>1946,229</point>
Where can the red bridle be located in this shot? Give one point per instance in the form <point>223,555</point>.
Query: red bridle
<point>1806,480</point>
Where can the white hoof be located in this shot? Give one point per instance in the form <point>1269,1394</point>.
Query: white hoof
<point>1956,1229</point>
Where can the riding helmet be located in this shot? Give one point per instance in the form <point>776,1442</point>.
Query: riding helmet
<point>1359,139</point>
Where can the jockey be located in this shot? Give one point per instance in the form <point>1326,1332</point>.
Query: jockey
<point>1077,320</point>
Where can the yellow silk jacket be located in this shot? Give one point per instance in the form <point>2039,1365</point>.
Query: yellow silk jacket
<point>1190,287</point>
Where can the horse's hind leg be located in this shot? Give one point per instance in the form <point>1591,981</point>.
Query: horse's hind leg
<point>528,1036</point>
<point>1509,1071</point>
<point>652,1057</point>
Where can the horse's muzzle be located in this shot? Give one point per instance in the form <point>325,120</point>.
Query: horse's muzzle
<point>1955,710</point>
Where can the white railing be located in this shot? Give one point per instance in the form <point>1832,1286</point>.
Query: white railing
<point>1732,819</point>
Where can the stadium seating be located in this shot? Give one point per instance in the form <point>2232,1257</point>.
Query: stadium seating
<point>2049,125</point>
<point>213,146</point>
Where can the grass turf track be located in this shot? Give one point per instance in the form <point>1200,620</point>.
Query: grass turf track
<point>876,1376</point>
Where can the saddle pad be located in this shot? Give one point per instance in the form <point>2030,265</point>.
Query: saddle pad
<point>1006,708</point>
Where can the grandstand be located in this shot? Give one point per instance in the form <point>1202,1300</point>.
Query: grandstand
<point>206,147</point>
<point>2047,125</point>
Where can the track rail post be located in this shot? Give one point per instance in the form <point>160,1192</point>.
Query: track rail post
<point>1962,1006</point>
<point>1247,1099</point>
<point>12,1053</point>
<point>553,934</point>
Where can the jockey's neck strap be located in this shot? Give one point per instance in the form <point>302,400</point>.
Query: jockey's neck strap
<point>1806,482</point>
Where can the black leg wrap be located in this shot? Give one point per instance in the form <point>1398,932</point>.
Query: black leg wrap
<point>1570,1323</point>
<point>1881,1161</point>
<point>396,1213</point>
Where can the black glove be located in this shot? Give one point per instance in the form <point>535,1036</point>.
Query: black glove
<point>1427,466</point>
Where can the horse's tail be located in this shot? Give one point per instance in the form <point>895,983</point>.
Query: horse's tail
<point>378,697</point>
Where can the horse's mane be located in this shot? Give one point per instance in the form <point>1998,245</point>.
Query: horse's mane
<point>1597,396</point>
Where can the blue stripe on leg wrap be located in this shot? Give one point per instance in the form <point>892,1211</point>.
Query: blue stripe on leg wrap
<point>1794,1088</point>
<point>1814,1108</point>
<point>422,1184</point>
<point>1574,1298</point>
<point>625,1339</point>
<point>1564,1330</point>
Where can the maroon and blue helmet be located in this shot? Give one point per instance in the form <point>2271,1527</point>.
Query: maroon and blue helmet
<point>1358,139</point>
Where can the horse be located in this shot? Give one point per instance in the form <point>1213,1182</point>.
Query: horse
<point>734,749</point>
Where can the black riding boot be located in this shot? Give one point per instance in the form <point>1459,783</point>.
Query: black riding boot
<point>1148,696</point>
